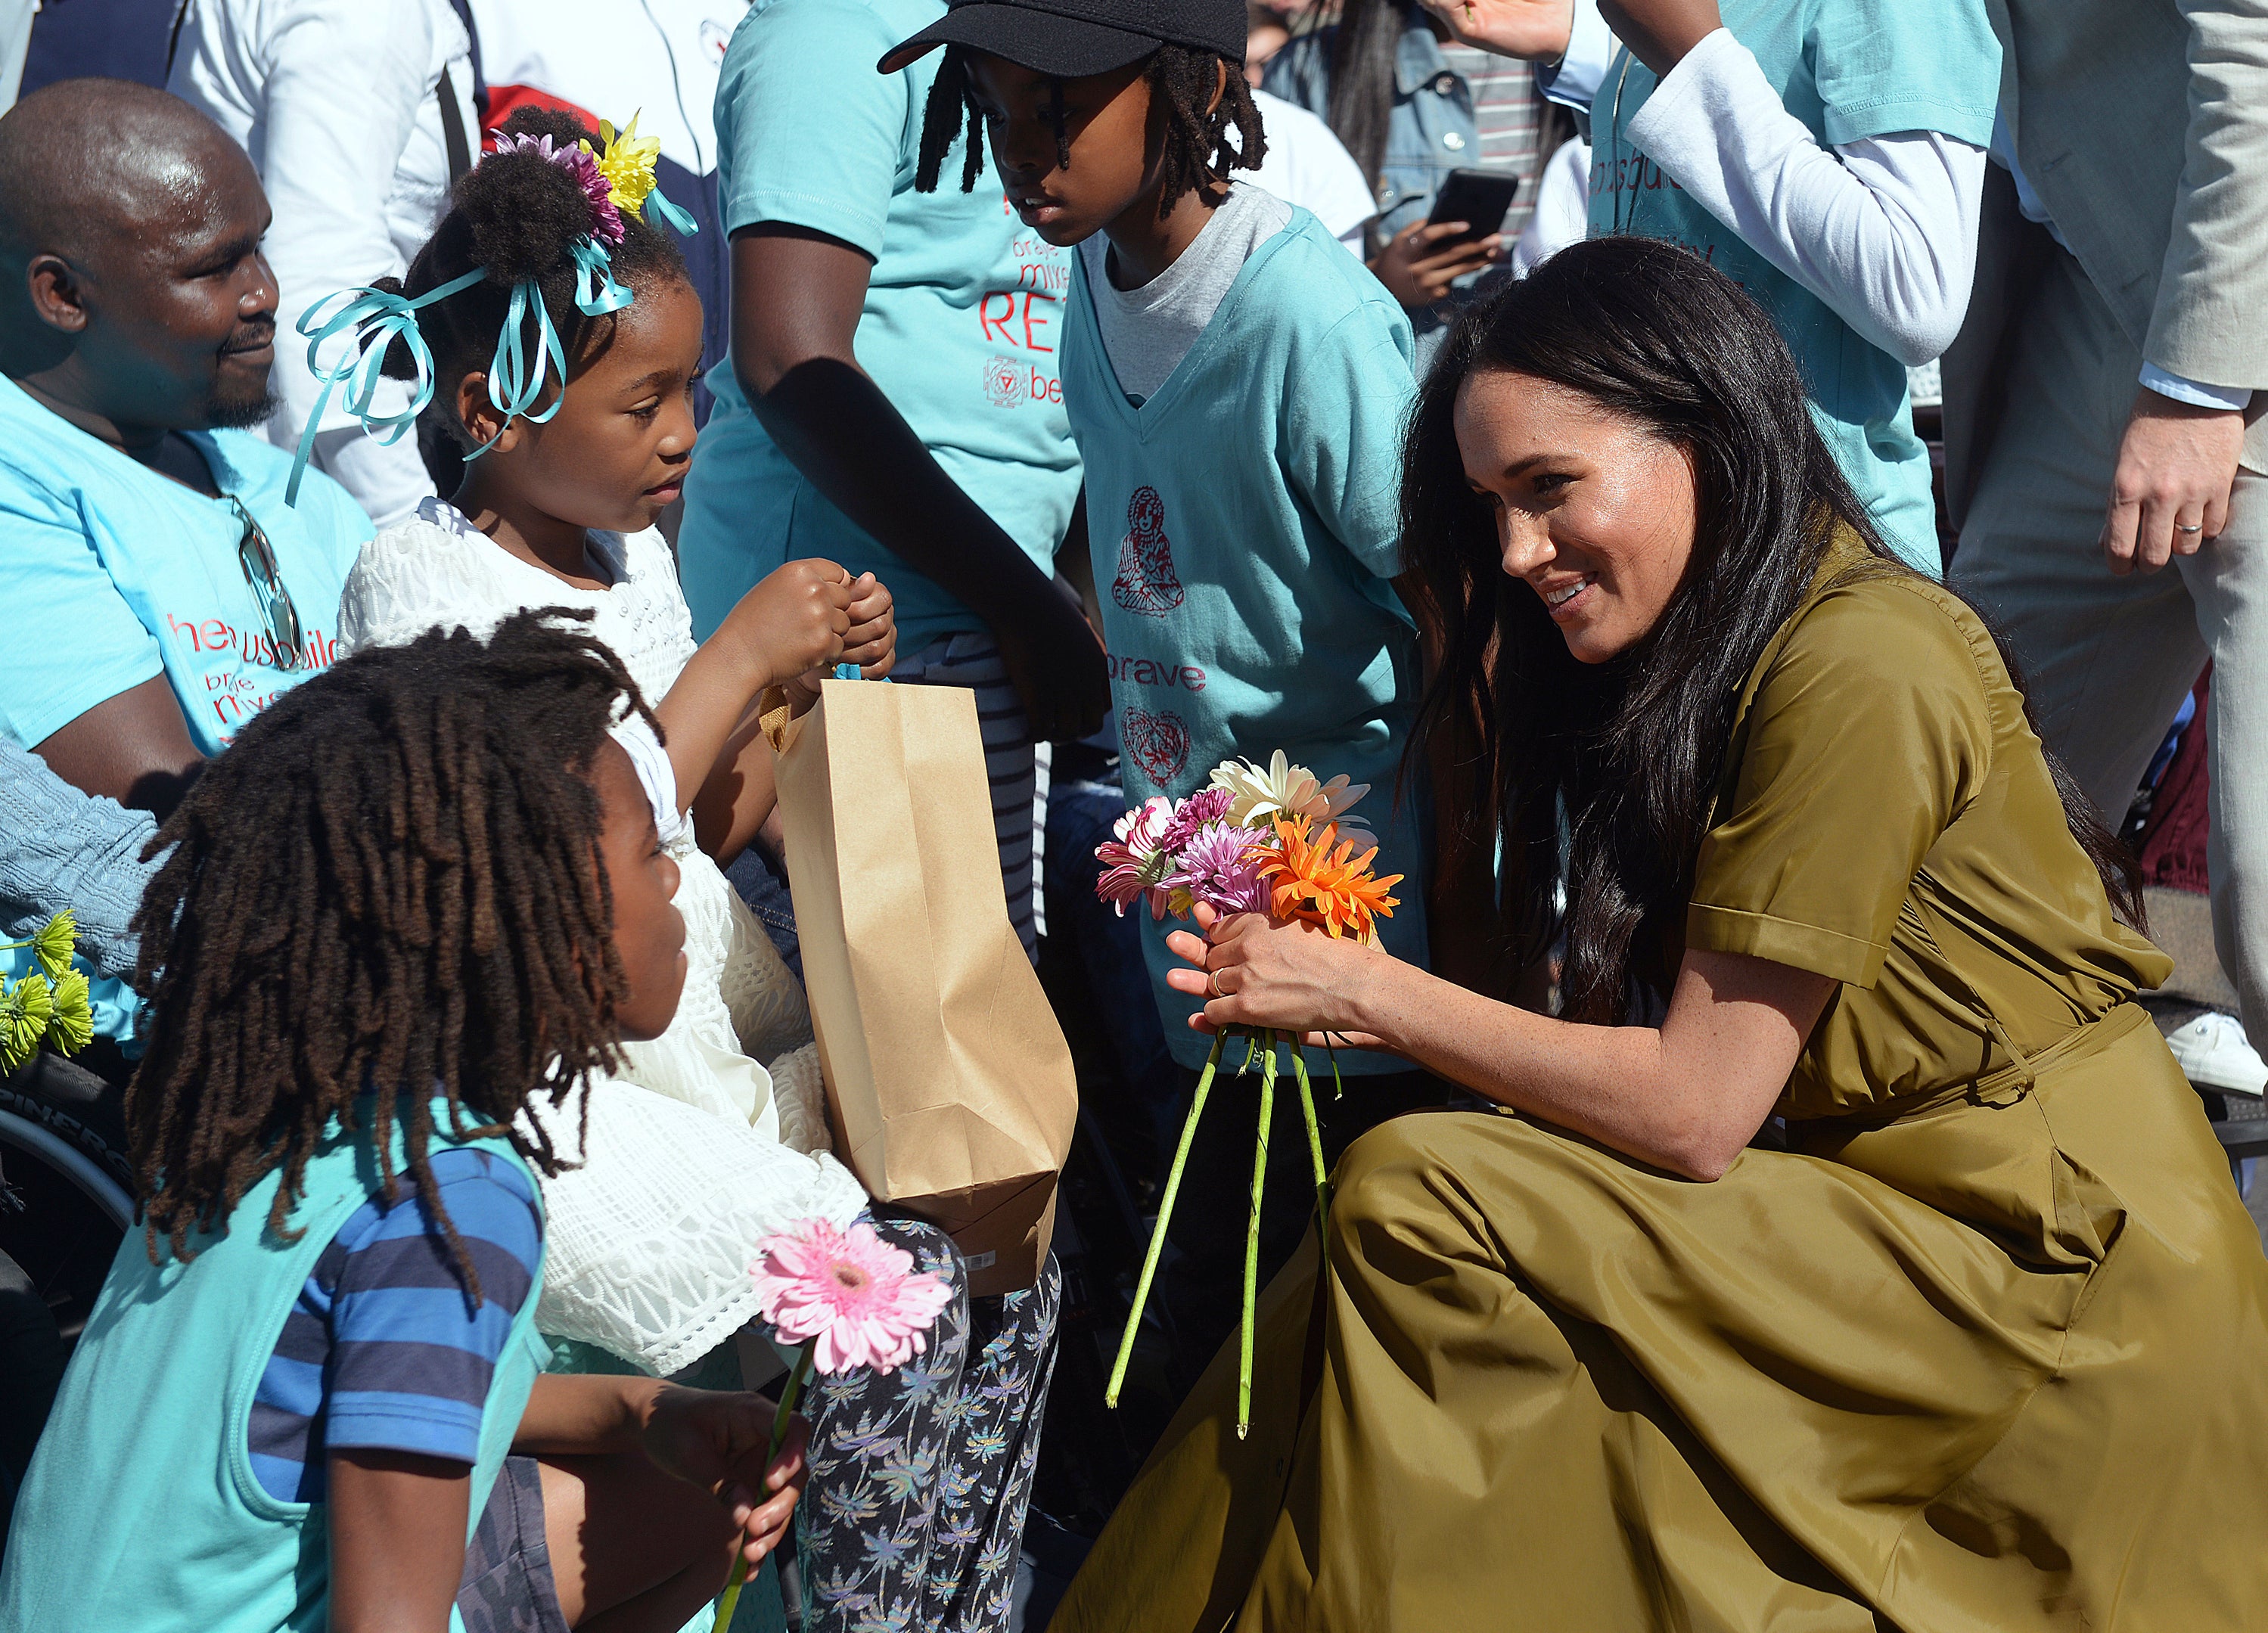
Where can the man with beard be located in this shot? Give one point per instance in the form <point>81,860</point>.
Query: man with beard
<point>160,590</point>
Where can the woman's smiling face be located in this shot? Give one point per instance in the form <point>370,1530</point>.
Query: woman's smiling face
<point>1591,509</point>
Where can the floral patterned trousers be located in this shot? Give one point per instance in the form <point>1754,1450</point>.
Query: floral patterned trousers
<point>914,1513</point>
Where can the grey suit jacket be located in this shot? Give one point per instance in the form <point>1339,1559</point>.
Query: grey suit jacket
<point>2143,126</point>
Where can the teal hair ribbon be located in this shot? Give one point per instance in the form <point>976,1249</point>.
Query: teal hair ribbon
<point>672,217</point>
<point>514,381</point>
<point>375,319</point>
<point>596,292</point>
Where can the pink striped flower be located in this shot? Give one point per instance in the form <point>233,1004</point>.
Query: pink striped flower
<point>1136,858</point>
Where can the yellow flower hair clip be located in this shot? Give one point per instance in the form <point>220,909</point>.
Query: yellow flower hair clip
<point>626,160</point>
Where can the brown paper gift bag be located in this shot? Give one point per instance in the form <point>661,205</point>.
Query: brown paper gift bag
<point>948,1081</point>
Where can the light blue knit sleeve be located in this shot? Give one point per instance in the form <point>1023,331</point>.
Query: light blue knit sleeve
<point>60,849</point>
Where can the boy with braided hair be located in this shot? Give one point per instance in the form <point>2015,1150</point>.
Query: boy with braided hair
<point>1237,386</point>
<point>420,892</point>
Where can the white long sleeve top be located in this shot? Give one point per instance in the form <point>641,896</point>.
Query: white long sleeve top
<point>1883,230</point>
<point>337,103</point>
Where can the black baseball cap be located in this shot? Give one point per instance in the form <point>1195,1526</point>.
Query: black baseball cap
<point>1072,38</point>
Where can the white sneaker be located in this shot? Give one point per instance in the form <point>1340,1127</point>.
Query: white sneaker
<point>2213,1053</point>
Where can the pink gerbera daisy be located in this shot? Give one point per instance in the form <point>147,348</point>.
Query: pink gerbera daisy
<point>857,1299</point>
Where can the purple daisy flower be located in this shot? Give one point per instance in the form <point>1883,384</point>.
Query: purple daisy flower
<point>1216,870</point>
<point>1195,814</point>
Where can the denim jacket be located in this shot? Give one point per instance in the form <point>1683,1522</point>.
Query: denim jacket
<point>1430,133</point>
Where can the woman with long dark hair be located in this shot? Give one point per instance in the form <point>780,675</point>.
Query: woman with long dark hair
<point>1846,1251</point>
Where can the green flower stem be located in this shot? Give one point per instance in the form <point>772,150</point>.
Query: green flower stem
<point>1252,1235</point>
<point>1165,1213</point>
<point>730,1600</point>
<point>1316,1154</point>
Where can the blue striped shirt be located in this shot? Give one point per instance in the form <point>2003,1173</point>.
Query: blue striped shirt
<point>385,1348</point>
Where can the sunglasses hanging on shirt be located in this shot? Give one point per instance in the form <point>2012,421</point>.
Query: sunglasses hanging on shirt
<point>257,557</point>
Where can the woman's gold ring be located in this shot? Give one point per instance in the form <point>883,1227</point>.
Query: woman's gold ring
<point>1213,983</point>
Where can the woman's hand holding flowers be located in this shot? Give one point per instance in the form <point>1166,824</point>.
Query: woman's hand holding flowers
<point>1290,978</point>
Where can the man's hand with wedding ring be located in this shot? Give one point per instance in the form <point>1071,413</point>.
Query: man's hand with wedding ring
<point>2169,491</point>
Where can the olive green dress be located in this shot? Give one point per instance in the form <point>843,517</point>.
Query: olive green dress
<point>1984,1351</point>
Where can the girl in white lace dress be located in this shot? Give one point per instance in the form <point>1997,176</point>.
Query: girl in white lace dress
<point>725,1138</point>
<point>715,1134</point>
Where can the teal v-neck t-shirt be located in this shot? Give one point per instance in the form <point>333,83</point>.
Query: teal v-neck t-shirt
<point>1245,536</point>
<point>961,329</point>
<point>1849,69</point>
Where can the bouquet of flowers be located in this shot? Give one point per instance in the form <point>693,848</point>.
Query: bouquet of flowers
<point>48,1005</point>
<point>1249,842</point>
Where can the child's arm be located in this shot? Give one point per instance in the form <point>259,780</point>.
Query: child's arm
<point>710,1439</point>
<point>797,618</point>
<point>397,1540</point>
<point>797,298</point>
<point>398,1519</point>
<point>738,794</point>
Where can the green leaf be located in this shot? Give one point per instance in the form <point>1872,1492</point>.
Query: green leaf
<point>53,946</point>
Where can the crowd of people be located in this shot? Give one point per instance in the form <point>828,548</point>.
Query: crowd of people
<point>440,431</point>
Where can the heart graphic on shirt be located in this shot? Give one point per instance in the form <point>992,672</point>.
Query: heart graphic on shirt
<point>1145,583</point>
<point>1160,743</point>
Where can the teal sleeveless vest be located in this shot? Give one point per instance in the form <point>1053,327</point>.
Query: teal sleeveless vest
<point>140,1512</point>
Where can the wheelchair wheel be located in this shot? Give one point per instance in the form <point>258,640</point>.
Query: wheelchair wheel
<point>66,1201</point>
<point>68,1196</point>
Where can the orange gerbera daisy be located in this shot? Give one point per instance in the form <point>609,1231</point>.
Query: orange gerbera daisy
<point>1309,881</point>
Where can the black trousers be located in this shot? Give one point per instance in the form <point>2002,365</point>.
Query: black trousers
<point>1199,1292</point>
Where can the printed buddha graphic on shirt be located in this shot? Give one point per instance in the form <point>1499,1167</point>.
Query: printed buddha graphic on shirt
<point>1157,741</point>
<point>1145,583</point>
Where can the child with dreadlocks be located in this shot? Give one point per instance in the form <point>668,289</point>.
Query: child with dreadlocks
<point>700,1142</point>
<point>420,892</point>
<point>1237,386</point>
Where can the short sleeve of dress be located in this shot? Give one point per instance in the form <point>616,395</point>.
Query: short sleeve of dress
<point>1868,733</point>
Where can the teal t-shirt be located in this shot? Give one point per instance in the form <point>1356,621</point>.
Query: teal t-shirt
<point>150,1431</point>
<point>1245,535</point>
<point>962,324</point>
<point>133,575</point>
<point>1849,69</point>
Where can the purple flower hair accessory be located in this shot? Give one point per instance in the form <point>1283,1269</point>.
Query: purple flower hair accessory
<point>577,160</point>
